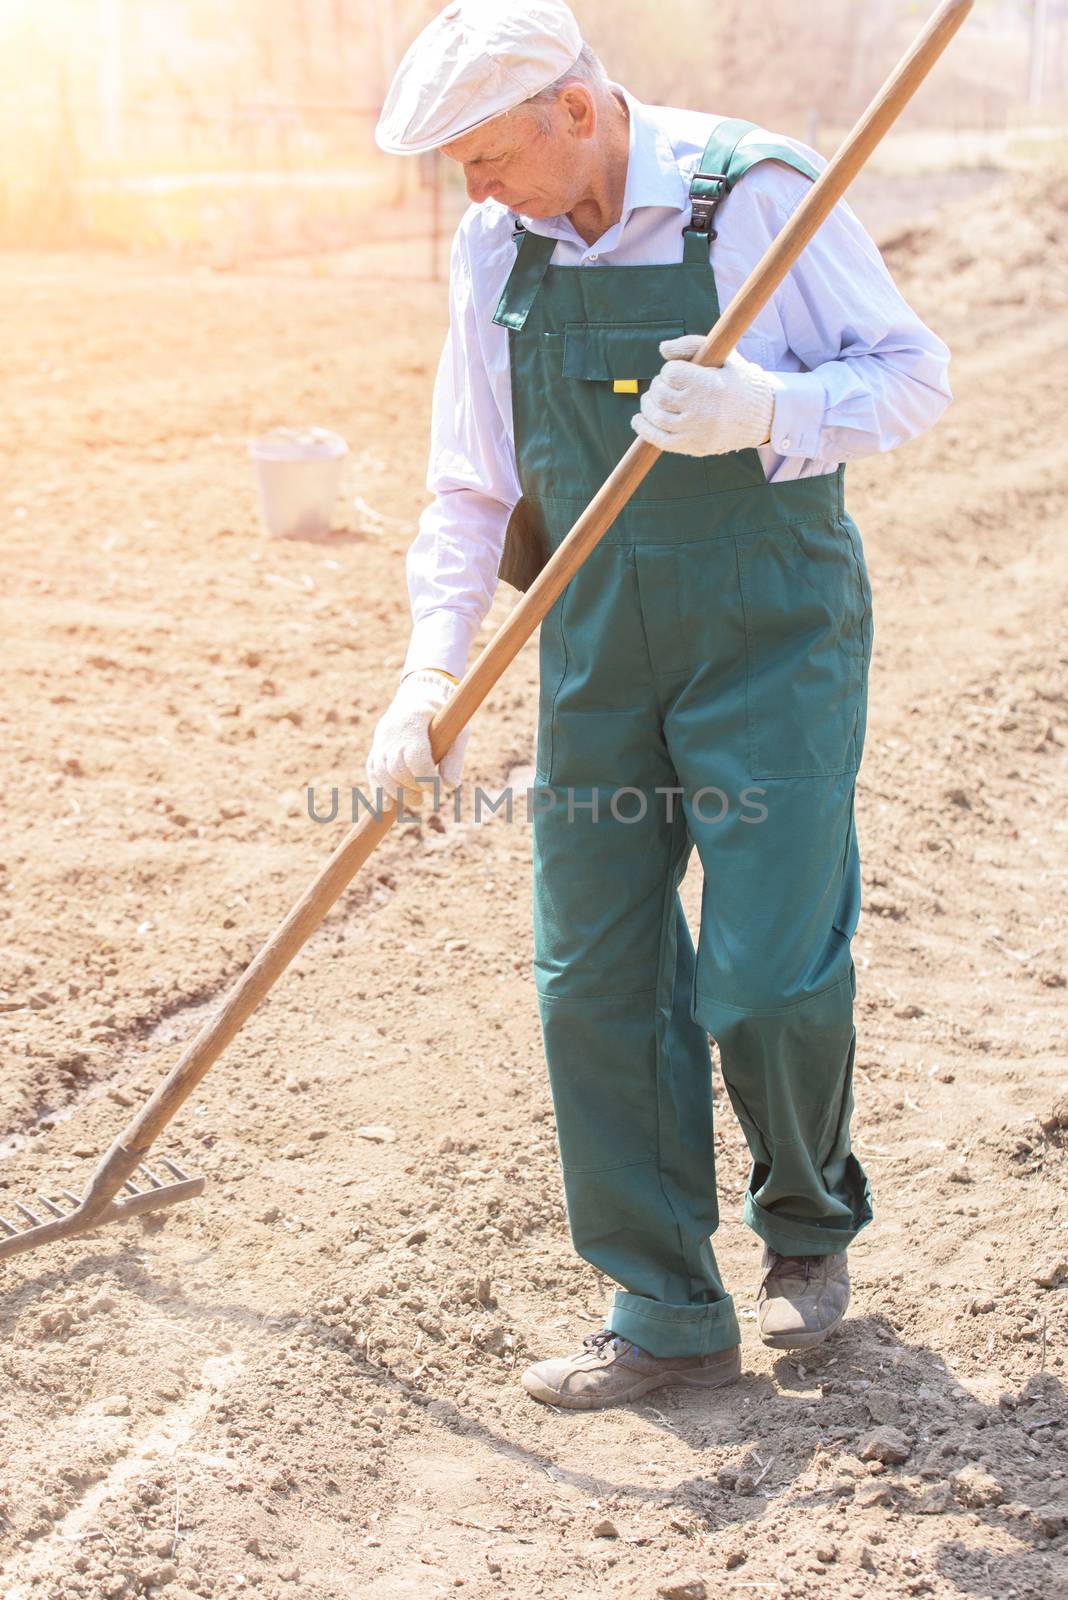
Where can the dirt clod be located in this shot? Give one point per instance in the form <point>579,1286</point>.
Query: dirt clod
<point>1056,1118</point>
<point>887,1445</point>
<point>975,1487</point>
<point>883,1405</point>
<point>686,1587</point>
<point>936,1500</point>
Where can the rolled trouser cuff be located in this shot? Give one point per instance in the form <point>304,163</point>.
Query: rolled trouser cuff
<point>791,1236</point>
<point>666,1330</point>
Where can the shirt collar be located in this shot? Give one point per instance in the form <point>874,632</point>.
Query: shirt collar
<point>653,176</point>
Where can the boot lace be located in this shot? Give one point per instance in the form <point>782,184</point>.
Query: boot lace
<point>792,1266</point>
<point>606,1341</point>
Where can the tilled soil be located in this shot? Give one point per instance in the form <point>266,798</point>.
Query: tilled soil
<point>306,1382</point>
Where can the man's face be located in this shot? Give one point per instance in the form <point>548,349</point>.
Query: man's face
<point>529,164</point>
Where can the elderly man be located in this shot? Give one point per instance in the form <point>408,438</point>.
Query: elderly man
<point>704,675</point>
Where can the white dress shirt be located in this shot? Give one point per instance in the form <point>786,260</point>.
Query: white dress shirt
<point>856,370</point>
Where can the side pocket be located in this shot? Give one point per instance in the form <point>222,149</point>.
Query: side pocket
<point>847,914</point>
<point>865,624</point>
<point>803,607</point>
<point>552,668</point>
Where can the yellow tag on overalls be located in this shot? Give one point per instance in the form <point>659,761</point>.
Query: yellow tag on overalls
<point>625,386</point>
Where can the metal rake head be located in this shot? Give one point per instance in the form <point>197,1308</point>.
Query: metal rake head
<point>60,1224</point>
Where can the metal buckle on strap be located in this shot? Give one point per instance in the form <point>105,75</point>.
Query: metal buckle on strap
<point>708,190</point>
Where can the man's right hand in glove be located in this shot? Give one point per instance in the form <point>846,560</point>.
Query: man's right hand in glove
<point>400,755</point>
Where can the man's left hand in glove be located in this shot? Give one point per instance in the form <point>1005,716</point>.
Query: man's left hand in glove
<point>705,411</point>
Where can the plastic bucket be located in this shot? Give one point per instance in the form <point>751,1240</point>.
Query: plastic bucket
<point>298,471</point>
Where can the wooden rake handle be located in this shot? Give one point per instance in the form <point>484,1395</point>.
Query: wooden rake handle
<point>349,857</point>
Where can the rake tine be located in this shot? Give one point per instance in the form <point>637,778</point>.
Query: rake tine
<point>74,1198</point>
<point>26,1212</point>
<point>56,1212</point>
<point>129,1184</point>
<point>10,1226</point>
<point>157,1183</point>
<point>174,1169</point>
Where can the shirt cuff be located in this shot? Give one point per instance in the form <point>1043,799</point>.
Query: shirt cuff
<point>800,404</point>
<point>440,639</point>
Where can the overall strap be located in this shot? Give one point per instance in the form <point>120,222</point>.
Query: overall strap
<point>724,162</point>
<point>525,279</point>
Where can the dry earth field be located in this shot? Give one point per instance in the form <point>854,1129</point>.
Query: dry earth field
<point>305,1384</point>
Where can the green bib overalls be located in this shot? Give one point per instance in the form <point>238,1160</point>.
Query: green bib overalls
<point>703,681</point>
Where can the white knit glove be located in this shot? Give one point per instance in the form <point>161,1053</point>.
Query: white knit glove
<point>705,411</point>
<point>400,751</point>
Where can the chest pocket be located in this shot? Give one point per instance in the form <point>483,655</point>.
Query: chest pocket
<point>611,352</point>
<point>606,367</point>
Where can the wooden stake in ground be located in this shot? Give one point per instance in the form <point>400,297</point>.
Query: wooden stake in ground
<point>126,1154</point>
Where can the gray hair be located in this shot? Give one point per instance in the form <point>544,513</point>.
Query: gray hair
<point>587,68</point>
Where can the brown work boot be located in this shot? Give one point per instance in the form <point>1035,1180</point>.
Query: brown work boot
<point>609,1371</point>
<point>801,1298</point>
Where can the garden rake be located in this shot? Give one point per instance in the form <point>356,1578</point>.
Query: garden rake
<point>59,1224</point>
<point>112,1193</point>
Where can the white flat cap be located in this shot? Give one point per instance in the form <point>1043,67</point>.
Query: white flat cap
<point>476,60</point>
